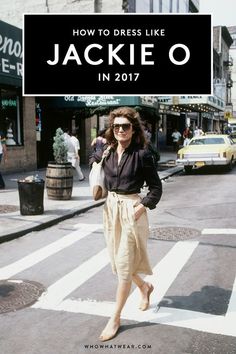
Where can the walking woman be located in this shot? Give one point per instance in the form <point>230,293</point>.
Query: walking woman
<point>127,166</point>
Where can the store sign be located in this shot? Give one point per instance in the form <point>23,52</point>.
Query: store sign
<point>213,101</point>
<point>95,101</point>
<point>105,101</point>
<point>10,54</point>
<point>8,103</point>
<point>118,54</point>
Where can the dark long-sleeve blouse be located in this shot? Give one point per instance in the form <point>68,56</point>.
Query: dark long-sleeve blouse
<point>136,167</point>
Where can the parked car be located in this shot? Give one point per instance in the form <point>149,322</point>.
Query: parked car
<point>208,150</point>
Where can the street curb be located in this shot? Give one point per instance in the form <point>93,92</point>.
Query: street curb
<point>13,235</point>
<point>46,224</point>
<point>170,172</point>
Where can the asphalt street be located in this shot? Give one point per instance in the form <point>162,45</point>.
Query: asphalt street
<point>192,249</point>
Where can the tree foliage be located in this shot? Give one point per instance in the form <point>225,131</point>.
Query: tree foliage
<point>59,147</point>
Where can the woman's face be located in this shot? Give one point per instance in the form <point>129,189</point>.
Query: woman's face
<point>122,129</point>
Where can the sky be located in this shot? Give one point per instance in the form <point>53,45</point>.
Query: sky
<point>223,11</point>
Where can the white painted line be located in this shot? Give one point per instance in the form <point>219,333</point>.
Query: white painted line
<point>81,226</point>
<point>63,287</point>
<point>164,273</point>
<point>198,321</point>
<point>47,251</point>
<point>195,320</point>
<point>97,308</point>
<point>219,232</point>
<point>231,311</point>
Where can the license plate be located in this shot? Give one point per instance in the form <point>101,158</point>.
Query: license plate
<point>199,163</point>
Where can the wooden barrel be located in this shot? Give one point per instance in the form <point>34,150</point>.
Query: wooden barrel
<point>59,181</point>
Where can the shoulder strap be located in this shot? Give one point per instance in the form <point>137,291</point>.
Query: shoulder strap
<point>106,152</point>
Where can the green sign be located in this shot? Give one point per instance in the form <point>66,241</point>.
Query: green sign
<point>10,55</point>
<point>97,101</point>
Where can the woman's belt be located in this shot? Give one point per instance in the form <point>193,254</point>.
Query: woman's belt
<point>125,192</point>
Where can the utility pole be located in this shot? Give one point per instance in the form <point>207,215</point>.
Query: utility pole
<point>47,6</point>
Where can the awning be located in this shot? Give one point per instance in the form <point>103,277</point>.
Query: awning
<point>187,104</point>
<point>102,101</point>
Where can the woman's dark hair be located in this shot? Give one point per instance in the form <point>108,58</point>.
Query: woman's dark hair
<point>101,132</point>
<point>133,116</point>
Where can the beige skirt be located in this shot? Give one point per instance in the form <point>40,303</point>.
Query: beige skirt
<point>126,237</point>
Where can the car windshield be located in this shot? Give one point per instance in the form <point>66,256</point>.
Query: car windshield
<point>207,141</point>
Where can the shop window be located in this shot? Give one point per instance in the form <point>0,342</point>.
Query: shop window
<point>10,116</point>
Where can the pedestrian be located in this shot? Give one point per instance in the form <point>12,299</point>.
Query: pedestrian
<point>76,160</point>
<point>187,136</point>
<point>99,143</point>
<point>176,138</point>
<point>3,157</point>
<point>127,166</point>
<point>73,147</point>
<point>198,131</point>
<point>147,133</point>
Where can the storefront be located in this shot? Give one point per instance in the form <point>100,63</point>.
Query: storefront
<point>87,114</point>
<point>17,117</point>
<point>177,112</point>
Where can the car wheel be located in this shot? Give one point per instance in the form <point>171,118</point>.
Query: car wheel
<point>188,169</point>
<point>230,165</point>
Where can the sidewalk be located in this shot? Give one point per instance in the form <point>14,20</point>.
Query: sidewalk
<point>13,224</point>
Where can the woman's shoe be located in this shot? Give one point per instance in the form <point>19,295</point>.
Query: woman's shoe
<point>108,336</point>
<point>145,304</point>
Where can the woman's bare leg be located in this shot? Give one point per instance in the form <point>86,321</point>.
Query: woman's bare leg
<point>113,324</point>
<point>145,289</point>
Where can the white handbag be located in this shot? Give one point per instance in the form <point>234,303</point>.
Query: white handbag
<point>97,177</point>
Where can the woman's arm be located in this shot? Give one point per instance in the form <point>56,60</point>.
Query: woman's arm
<point>152,180</point>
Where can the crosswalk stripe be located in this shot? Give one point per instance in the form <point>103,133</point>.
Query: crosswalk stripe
<point>231,311</point>
<point>219,232</point>
<point>195,320</point>
<point>71,281</point>
<point>164,273</point>
<point>47,251</point>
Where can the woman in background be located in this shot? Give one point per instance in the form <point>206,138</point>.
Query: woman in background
<point>99,143</point>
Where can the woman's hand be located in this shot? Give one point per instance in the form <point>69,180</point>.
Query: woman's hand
<point>138,211</point>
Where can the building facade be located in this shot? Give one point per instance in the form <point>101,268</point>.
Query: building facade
<point>22,120</point>
<point>30,124</point>
<point>163,6</point>
<point>17,114</point>
<point>232,62</point>
<point>178,111</point>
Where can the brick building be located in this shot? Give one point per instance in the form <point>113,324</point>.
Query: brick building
<point>20,117</point>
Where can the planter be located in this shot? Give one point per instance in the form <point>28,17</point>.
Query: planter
<point>59,181</point>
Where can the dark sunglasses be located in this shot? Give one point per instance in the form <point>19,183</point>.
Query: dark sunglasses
<point>124,126</point>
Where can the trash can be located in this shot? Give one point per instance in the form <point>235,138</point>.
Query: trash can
<point>31,194</point>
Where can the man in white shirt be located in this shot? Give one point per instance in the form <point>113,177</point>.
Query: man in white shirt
<point>73,146</point>
<point>197,131</point>
<point>176,136</point>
